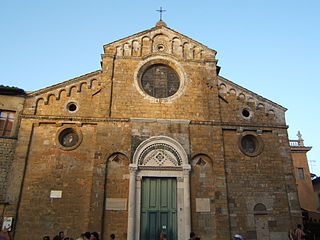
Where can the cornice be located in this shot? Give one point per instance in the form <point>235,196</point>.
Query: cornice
<point>225,125</point>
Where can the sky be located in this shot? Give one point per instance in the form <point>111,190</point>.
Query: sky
<point>270,47</point>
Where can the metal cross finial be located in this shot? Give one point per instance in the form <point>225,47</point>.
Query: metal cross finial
<point>161,11</point>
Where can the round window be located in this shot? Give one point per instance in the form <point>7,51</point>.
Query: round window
<point>250,145</point>
<point>69,138</point>
<point>72,107</point>
<point>245,113</point>
<point>160,47</point>
<point>160,81</point>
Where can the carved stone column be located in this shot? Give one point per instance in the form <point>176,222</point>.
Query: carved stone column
<point>186,202</point>
<point>132,202</point>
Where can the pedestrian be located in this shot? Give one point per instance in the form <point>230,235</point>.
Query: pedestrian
<point>238,236</point>
<point>94,236</point>
<point>81,237</point>
<point>4,235</point>
<point>46,238</point>
<point>112,236</point>
<point>299,234</point>
<point>291,235</point>
<point>86,236</point>
<point>60,236</point>
<point>192,236</point>
<point>163,236</point>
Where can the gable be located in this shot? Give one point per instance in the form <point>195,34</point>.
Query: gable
<point>53,99</point>
<point>159,39</point>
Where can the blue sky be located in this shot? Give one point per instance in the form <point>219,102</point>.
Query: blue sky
<point>271,47</point>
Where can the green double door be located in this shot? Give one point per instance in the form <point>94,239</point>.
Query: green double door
<point>158,208</point>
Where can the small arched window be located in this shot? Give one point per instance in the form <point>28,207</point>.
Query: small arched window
<point>260,209</point>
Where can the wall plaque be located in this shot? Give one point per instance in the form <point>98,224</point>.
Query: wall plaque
<point>7,223</point>
<point>116,204</point>
<point>55,194</point>
<point>202,205</point>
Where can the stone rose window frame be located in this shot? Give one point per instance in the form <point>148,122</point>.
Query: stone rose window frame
<point>246,140</point>
<point>160,81</point>
<point>63,132</point>
<point>160,60</point>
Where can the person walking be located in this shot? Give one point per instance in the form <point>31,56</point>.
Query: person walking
<point>87,236</point>
<point>291,234</point>
<point>192,236</point>
<point>299,234</point>
<point>81,237</point>
<point>238,237</point>
<point>94,236</point>
<point>60,236</point>
<point>4,234</point>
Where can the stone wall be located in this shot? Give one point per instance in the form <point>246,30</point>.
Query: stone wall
<point>6,157</point>
<point>49,168</point>
<point>8,144</point>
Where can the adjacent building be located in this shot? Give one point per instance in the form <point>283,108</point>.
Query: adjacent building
<point>308,189</point>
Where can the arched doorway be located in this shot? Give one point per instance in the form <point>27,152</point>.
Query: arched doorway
<point>159,190</point>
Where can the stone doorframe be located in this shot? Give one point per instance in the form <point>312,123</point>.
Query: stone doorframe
<point>160,156</point>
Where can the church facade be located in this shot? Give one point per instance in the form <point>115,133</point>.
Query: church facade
<point>155,141</point>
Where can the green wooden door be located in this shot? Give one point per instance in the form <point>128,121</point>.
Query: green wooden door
<point>158,208</point>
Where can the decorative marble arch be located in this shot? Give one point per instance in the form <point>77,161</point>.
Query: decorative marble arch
<point>160,151</point>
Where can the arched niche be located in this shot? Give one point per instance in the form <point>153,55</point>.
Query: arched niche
<point>262,222</point>
<point>259,209</point>
<point>177,47</point>
<point>146,45</point>
<point>203,194</point>
<point>116,195</point>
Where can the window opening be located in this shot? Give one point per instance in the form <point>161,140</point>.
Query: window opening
<point>72,107</point>
<point>301,173</point>
<point>6,122</point>
<point>160,81</point>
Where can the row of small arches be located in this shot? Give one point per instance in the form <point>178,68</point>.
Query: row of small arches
<point>241,96</point>
<point>90,84</point>
<point>162,44</point>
